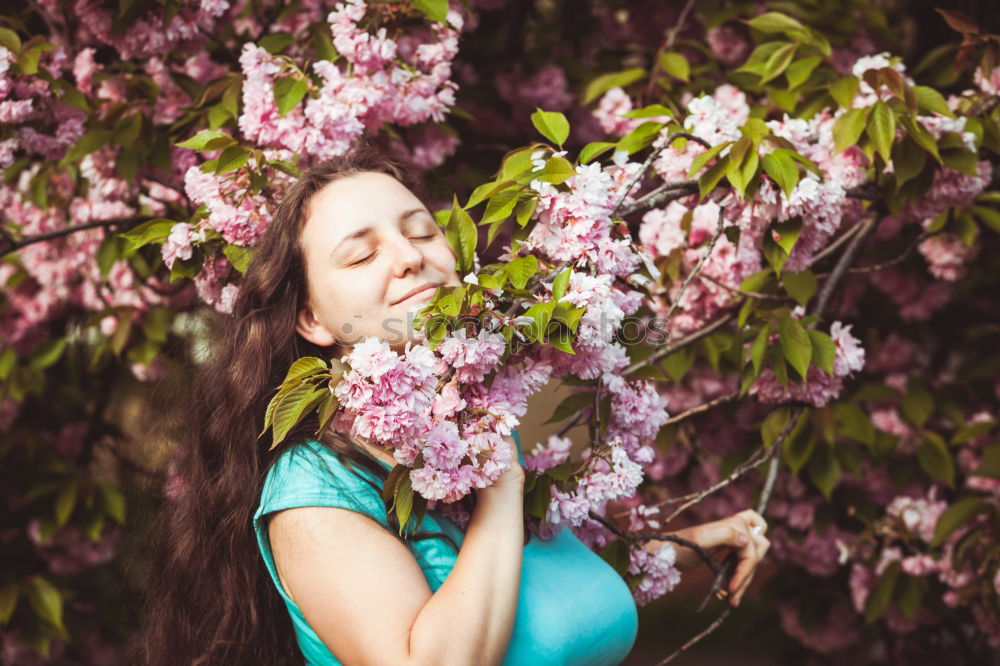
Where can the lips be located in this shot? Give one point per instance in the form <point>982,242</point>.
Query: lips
<point>419,290</point>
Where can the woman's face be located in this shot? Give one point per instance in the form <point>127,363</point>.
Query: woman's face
<point>368,244</point>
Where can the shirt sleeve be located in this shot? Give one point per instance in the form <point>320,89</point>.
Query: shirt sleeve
<point>310,474</point>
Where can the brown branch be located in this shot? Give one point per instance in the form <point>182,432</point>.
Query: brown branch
<point>663,194</point>
<point>668,43</point>
<point>842,265</point>
<point>740,292</point>
<point>689,339</point>
<point>65,231</point>
<point>649,161</point>
<point>723,576</point>
<point>686,414</point>
<point>835,245</point>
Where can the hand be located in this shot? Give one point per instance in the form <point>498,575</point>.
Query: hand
<point>513,476</point>
<point>742,532</point>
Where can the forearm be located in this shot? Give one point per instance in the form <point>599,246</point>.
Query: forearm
<point>470,617</point>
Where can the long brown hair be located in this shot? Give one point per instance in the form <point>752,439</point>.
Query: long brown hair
<point>211,600</point>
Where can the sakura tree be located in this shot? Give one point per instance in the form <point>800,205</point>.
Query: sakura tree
<point>754,243</point>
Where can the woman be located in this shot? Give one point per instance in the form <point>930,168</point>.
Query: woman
<point>275,556</point>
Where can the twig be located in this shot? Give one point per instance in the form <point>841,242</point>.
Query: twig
<point>689,339</point>
<point>702,408</point>
<point>740,292</point>
<point>835,245</point>
<point>724,574</point>
<point>841,268</point>
<point>712,563</point>
<point>649,161</point>
<point>709,629</point>
<point>668,43</point>
<point>65,231</point>
<point>663,194</point>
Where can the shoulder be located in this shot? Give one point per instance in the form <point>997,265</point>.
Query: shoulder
<point>310,474</point>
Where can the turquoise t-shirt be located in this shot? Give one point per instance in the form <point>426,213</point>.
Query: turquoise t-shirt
<point>573,608</point>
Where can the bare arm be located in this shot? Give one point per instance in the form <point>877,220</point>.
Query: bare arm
<point>364,594</point>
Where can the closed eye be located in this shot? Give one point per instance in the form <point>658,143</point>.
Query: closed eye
<point>362,260</point>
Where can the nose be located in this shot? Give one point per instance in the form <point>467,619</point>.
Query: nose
<point>408,257</point>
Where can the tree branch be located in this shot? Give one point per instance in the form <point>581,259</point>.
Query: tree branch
<point>65,231</point>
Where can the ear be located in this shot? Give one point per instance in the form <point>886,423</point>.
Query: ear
<point>312,329</point>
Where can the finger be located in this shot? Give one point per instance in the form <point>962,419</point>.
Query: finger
<point>761,546</point>
<point>731,533</point>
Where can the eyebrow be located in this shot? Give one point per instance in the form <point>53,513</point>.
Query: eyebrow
<point>364,231</point>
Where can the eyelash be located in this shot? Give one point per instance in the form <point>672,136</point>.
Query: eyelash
<point>365,259</point>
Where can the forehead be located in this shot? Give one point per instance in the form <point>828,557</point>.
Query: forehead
<point>357,200</point>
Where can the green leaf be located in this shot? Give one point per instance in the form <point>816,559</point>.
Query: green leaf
<point>957,515</point>
<point>920,134</point>
<point>616,554</point>
<point>232,158</point>
<point>65,502</point>
<point>780,166</point>
<point>402,502</point>
<point>853,422</point>
<point>678,364</point>
<point>759,347</point>
<point>520,270</point>
<point>557,170</point>
<point>908,160</point>
<point>788,233</point>
<point>86,144</point>
<point>824,351</point>
<point>649,111</point>
<point>882,129</point>
<point>796,452</point>
<point>710,179</point>
<point>757,281</point>
<point>778,62</point>
<point>571,406</point>
<point>113,501</point>
<point>880,596</point>
<point>606,82</point>
<point>800,70</point>
<point>936,460</point>
<point>10,40</point>
<point>47,353</point>
<point>931,100</point>
<point>917,405</point>
<point>238,256</point>
<point>436,10</point>
<point>676,65</point>
<point>288,92</point>
<point>541,314</point>
<point>153,231</point>
<point>796,344</point>
<point>847,128</point>
<point>771,22</point>
<point>46,600</point>
<point>304,367</point>
<point>552,125</point>
<point>463,237</point>
<point>290,410</point>
<point>773,424</point>
<point>8,602</point>
<point>639,138</point>
<point>704,158</point>
<point>208,140</point>
<point>594,149</point>
<point>988,216</point>
<point>276,42</point>
<point>127,129</point>
<point>560,283</point>
<point>801,286</point>
<point>7,361</point>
